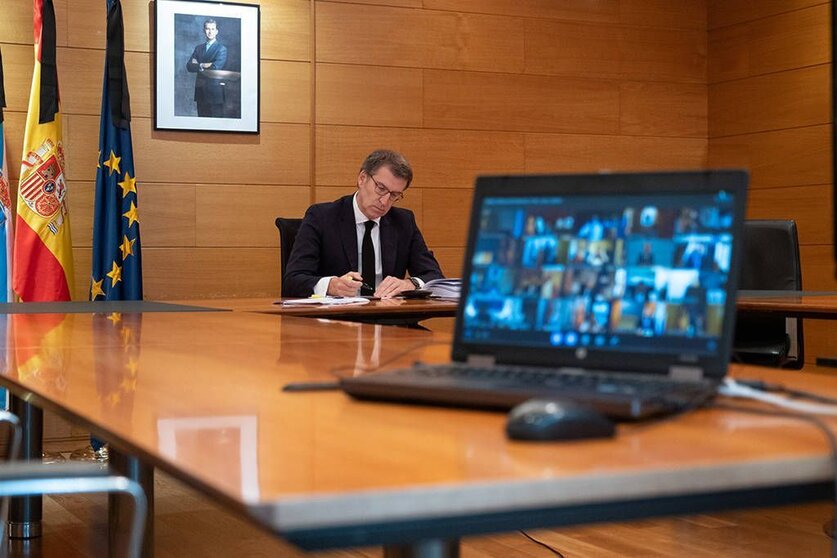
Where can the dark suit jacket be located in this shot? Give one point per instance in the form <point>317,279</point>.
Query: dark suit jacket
<point>326,245</point>
<point>208,90</point>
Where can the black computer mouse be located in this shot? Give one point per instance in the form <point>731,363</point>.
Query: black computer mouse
<point>552,419</point>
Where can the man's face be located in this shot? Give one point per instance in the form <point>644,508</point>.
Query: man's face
<point>371,203</point>
<point>210,30</point>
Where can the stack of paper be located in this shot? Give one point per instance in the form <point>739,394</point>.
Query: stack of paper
<point>444,288</point>
<point>326,300</point>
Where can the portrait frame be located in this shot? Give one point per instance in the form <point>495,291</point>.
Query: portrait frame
<point>206,66</point>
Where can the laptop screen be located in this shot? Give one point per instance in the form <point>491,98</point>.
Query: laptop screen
<point>646,272</point>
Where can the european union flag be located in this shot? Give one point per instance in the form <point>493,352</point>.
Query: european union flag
<point>117,262</point>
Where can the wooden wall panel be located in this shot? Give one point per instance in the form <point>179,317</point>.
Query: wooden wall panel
<point>354,34</point>
<point>16,23</point>
<point>14,125</point>
<point>636,53</point>
<point>285,92</point>
<point>88,20</point>
<point>82,260</point>
<point>810,206</point>
<point>553,153</point>
<point>480,101</point>
<point>573,10</point>
<point>818,271</point>
<point>81,200</point>
<point>446,215</point>
<point>796,156</point>
<point>81,88</point>
<point>369,95</point>
<point>790,99</point>
<point>286,29</point>
<point>278,155</point>
<point>663,109</point>
<point>820,339</point>
<point>18,65</point>
<point>167,214</point>
<point>440,158</point>
<point>750,49</point>
<point>646,13</point>
<point>450,260</point>
<point>729,12</point>
<point>179,273</point>
<point>396,3</point>
<point>664,13</point>
<point>244,215</point>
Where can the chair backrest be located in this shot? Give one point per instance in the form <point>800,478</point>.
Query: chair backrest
<point>287,235</point>
<point>771,256</point>
<point>771,263</point>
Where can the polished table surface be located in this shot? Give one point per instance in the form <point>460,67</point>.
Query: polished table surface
<point>199,395</point>
<point>415,309</point>
<point>802,304</point>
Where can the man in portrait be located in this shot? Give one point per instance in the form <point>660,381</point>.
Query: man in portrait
<point>210,55</point>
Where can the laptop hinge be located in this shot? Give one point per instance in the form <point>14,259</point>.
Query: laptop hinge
<point>481,361</point>
<point>686,373</point>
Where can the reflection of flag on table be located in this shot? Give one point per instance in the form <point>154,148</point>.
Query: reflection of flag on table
<point>40,342</point>
<point>116,366</point>
<point>117,263</point>
<point>43,257</point>
<point>6,231</point>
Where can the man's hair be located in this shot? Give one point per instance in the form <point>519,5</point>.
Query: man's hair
<point>396,162</point>
<point>208,21</point>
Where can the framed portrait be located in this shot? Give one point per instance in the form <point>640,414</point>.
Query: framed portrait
<point>206,66</point>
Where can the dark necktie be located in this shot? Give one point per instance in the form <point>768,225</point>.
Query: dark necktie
<point>368,260</point>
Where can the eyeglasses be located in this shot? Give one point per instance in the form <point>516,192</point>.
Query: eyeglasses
<point>382,191</point>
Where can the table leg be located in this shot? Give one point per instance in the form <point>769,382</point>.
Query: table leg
<point>432,548</point>
<point>119,512</point>
<point>25,512</point>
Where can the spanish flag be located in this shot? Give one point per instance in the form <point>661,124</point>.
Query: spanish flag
<point>43,257</point>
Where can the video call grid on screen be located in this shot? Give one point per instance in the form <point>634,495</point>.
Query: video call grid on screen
<point>610,273</point>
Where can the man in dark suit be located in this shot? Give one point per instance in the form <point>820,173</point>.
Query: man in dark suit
<point>362,240</point>
<point>211,55</point>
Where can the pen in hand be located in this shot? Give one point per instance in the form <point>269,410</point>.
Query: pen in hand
<point>363,285</point>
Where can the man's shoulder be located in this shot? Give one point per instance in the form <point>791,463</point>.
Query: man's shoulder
<point>330,206</point>
<point>401,215</point>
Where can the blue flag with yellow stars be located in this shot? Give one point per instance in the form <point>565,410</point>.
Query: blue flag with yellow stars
<point>117,262</point>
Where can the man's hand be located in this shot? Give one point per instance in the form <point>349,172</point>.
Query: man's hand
<point>391,286</point>
<point>206,65</point>
<point>345,285</point>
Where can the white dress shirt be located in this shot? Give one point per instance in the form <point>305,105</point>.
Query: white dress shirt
<point>321,288</point>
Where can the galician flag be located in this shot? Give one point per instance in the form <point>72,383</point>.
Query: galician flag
<point>43,256</point>
<point>6,230</point>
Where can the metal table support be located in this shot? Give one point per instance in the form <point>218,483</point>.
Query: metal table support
<point>119,510</point>
<point>25,512</point>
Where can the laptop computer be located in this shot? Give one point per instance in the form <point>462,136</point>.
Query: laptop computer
<point>614,290</point>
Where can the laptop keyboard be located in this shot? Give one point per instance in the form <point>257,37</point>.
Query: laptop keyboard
<point>619,396</point>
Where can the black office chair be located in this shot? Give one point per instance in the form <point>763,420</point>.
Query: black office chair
<point>770,263</point>
<point>287,235</point>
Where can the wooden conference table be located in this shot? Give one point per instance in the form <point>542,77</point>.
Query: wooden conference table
<point>800,304</point>
<point>198,394</point>
<point>406,310</point>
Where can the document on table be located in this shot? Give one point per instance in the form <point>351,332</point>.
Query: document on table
<point>324,300</point>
